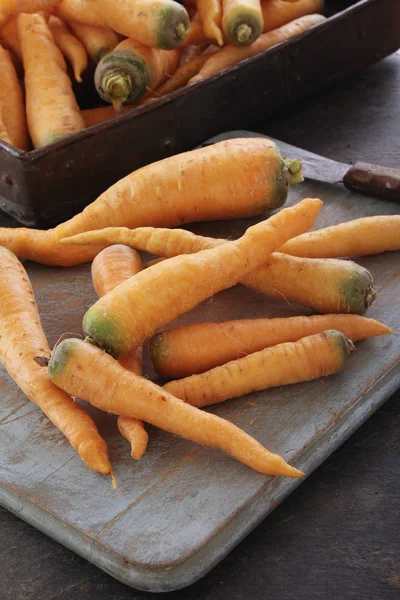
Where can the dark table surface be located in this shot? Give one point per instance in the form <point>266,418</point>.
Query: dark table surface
<point>338,535</point>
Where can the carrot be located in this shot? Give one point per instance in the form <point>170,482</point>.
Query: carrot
<point>11,99</point>
<point>22,339</point>
<point>125,74</point>
<point>51,107</point>
<point>360,237</point>
<point>9,38</point>
<point>70,46</point>
<point>242,21</point>
<point>94,116</point>
<point>230,55</point>
<point>325,285</point>
<point>210,14</point>
<point>14,7</point>
<point>190,51</point>
<point>83,11</point>
<point>85,371</point>
<point>195,34</point>
<point>311,357</point>
<point>121,320</point>
<point>98,41</point>
<point>193,349</point>
<point>232,179</point>
<point>110,268</point>
<point>4,135</point>
<point>281,12</point>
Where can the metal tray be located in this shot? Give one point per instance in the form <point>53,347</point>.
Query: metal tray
<point>47,185</point>
<point>180,509</point>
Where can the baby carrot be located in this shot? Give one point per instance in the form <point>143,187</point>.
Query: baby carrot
<point>193,349</point>
<point>110,268</point>
<point>281,12</point>
<point>242,21</point>
<point>9,38</point>
<point>70,46</point>
<point>21,340</point>
<point>230,55</point>
<point>125,74</point>
<point>232,179</point>
<point>210,14</point>
<point>311,357</point>
<point>51,107</point>
<point>4,135</point>
<point>368,235</point>
<point>98,41</point>
<point>12,101</point>
<point>85,371</point>
<point>132,311</point>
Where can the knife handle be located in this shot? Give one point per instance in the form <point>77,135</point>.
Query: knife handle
<point>374,180</point>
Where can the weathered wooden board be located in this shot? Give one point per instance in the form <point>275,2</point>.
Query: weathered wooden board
<point>179,510</point>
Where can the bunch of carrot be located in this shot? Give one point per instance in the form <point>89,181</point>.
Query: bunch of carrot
<point>138,51</point>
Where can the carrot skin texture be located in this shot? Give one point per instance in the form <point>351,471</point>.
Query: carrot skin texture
<point>13,7</point>
<point>22,339</point>
<point>292,362</point>
<point>281,12</point>
<point>111,267</point>
<point>94,116</point>
<point>193,349</point>
<point>360,237</point>
<point>85,371</point>
<point>70,47</point>
<point>12,101</point>
<point>9,38</point>
<point>4,135</point>
<point>129,314</point>
<point>98,41</point>
<point>210,15</point>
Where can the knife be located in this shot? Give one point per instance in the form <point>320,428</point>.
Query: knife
<point>372,180</point>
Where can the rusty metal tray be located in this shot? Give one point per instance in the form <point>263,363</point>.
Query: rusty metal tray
<point>180,509</point>
<point>45,186</point>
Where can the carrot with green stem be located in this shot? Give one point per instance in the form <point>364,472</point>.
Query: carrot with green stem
<point>12,101</point>
<point>51,107</point>
<point>110,268</point>
<point>125,74</point>
<point>21,340</point>
<point>281,12</point>
<point>360,237</point>
<point>232,179</point>
<point>85,371</point>
<point>131,312</point>
<point>210,15</point>
<point>98,41</point>
<point>242,21</point>
<point>70,46</point>
<point>231,55</point>
<point>325,285</point>
<point>194,349</point>
<point>309,358</point>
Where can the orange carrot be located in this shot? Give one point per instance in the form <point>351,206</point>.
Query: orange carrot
<point>22,339</point>
<point>232,179</point>
<point>242,21</point>
<point>311,357</point>
<point>85,371</point>
<point>368,235</point>
<point>14,7</point>
<point>193,349</point>
<point>231,55</point>
<point>94,116</point>
<point>125,74</point>
<point>4,135</point>
<point>132,311</point>
<point>51,107</point>
<point>110,268</point>
<point>11,99</point>
<point>281,12</point>
<point>210,14</point>
<point>98,41</point>
<point>196,33</point>
<point>83,11</point>
<point>9,38</point>
<point>70,46</point>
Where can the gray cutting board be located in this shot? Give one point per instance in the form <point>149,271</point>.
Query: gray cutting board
<point>183,507</point>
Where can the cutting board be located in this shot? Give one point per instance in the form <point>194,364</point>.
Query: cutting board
<point>183,507</point>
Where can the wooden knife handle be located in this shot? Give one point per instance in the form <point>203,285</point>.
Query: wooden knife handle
<point>374,180</point>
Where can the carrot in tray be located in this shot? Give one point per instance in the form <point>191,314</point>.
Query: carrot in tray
<point>242,21</point>
<point>309,358</point>
<point>9,38</point>
<point>51,107</point>
<point>232,179</point>
<point>84,11</point>
<point>125,74</point>
<point>12,101</point>
<point>85,371</point>
<point>100,114</point>
<point>98,41</point>
<point>325,285</point>
<point>231,55</point>
<point>4,135</point>
<point>21,340</point>
<point>129,314</point>
<point>110,268</point>
<point>70,46</point>
<point>210,15</point>
<point>281,12</point>
<point>193,349</point>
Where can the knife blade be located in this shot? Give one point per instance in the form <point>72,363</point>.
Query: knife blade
<point>372,180</point>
